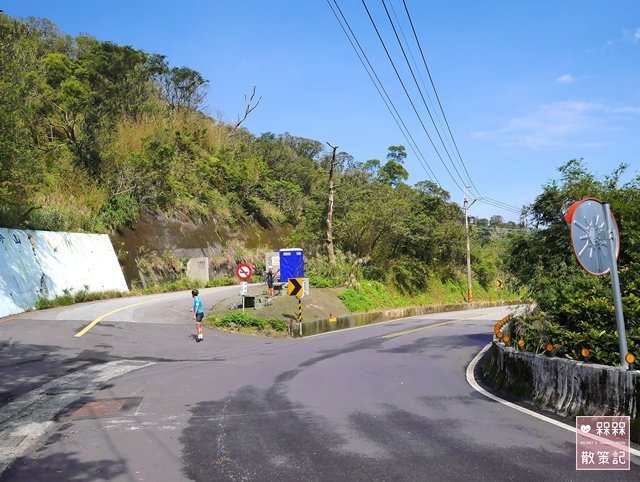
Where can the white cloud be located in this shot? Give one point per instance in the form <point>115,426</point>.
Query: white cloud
<point>565,79</point>
<point>632,36</point>
<point>560,124</point>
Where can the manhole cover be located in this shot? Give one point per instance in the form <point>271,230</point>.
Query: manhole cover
<point>106,408</point>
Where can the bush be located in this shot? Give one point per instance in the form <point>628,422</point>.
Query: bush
<point>322,282</point>
<point>243,320</point>
<point>539,329</point>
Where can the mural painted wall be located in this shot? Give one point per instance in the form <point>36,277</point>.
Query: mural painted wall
<point>43,264</point>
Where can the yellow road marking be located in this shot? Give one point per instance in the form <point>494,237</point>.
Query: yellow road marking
<point>100,318</point>
<point>422,328</point>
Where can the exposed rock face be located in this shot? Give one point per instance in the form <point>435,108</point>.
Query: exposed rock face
<point>186,239</point>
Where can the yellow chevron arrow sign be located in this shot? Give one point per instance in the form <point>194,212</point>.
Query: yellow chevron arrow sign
<point>295,287</point>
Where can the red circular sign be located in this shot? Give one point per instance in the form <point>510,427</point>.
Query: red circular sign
<point>244,271</point>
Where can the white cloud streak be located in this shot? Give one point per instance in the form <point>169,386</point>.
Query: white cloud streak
<point>565,79</point>
<point>560,124</point>
<point>632,36</point>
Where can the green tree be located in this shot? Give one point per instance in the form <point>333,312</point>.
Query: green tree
<point>544,262</point>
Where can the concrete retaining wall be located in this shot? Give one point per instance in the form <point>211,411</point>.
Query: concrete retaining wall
<point>43,264</point>
<point>359,319</point>
<point>565,387</point>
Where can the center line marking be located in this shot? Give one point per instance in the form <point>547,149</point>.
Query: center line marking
<point>422,328</point>
<point>102,317</point>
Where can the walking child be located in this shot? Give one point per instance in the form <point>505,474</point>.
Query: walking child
<point>198,313</point>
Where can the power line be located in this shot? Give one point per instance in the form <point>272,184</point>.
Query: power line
<point>371,72</point>
<point>500,205</point>
<point>408,95</point>
<point>437,96</point>
<point>484,199</point>
<point>419,73</point>
<point>387,101</point>
<point>404,54</point>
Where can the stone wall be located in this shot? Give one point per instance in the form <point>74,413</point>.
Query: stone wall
<point>566,387</point>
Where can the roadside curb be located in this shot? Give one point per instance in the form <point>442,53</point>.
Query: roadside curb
<point>470,374</point>
<point>360,319</point>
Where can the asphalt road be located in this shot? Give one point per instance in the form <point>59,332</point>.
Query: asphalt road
<point>136,398</point>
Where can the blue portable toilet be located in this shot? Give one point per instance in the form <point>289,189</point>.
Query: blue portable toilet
<point>291,264</point>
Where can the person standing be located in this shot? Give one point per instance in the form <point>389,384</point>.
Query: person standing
<point>198,313</point>
<point>270,279</point>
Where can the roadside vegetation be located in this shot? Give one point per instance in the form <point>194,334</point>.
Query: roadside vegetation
<point>96,134</point>
<point>574,310</point>
<point>373,295</point>
<point>245,323</point>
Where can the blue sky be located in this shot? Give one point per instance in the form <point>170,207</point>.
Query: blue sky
<point>525,86</point>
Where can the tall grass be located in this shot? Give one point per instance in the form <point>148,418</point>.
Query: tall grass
<point>372,295</point>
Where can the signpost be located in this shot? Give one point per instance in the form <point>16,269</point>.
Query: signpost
<point>244,289</point>
<point>295,287</point>
<point>596,242</point>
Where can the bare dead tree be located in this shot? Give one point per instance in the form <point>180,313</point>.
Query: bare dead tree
<point>330,251</point>
<point>250,107</point>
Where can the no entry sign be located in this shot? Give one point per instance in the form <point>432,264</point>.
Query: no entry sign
<point>244,271</point>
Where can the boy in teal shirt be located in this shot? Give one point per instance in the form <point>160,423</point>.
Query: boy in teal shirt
<point>198,313</point>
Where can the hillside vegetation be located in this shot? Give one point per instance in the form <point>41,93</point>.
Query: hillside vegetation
<point>95,133</point>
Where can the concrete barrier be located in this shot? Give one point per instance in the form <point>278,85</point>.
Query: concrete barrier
<point>565,387</point>
<point>359,319</point>
<point>43,264</point>
<point>198,268</point>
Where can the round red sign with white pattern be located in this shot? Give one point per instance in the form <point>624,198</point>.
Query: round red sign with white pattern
<point>244,271</point>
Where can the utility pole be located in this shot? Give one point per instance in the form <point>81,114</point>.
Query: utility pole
<point>330,251</point>
<point>466,225</point>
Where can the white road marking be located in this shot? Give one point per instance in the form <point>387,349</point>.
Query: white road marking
<point>472,381</point>
<point>30,416</point>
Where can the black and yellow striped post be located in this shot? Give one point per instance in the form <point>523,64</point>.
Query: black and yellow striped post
<point>296,288</point>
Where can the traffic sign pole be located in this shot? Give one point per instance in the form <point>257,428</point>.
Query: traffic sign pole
<point>615,285</point>
<point>300,314</point>
<point>596,242</point>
